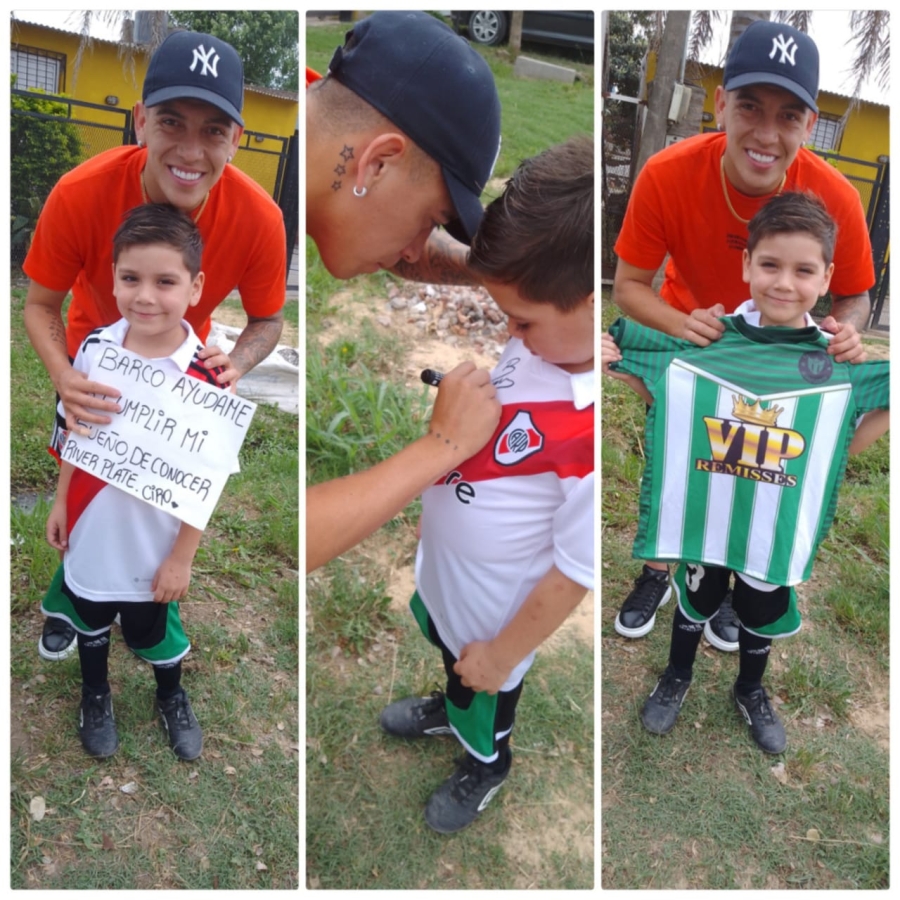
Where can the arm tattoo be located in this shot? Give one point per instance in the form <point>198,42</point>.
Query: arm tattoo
<point>256,342</point>
<point>443,261</point>
<point>854,309</point>
<point>55,328</point>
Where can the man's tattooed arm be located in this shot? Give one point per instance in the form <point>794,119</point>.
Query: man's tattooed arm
<point>443,261</point>
<point>854,309</point>
<point>256,342</point>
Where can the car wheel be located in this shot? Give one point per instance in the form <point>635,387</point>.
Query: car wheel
<point>487,27</point>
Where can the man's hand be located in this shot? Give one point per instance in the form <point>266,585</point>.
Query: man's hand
<point>846,345</point>
<point>702,327</point>
<point>171,581</point>
<point>479,668</point>
<point>213,357</point>
<point>466,411</point>
<point>76,393</point>
<point>57,527</point>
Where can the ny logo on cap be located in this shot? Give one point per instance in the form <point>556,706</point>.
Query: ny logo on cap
<point>787,51</point>
<point>203,56</point>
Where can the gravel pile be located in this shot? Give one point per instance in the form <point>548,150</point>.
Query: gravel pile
<point>458,316</point>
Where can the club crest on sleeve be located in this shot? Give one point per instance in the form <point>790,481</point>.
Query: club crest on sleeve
<point>519,440</point>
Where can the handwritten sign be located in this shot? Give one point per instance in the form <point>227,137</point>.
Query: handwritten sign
<point>175,441</point>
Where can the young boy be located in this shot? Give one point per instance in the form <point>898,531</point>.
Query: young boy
<point>747,440</point>
<point>506,550</point>
<point>121,555</point>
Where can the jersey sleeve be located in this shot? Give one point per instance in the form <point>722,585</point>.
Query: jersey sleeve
<point>646,352</point>
<point>573,534</point>
<point>871,385</point>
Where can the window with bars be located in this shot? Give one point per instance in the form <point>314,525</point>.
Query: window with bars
<point>38,68</point>
<point>826,133</point>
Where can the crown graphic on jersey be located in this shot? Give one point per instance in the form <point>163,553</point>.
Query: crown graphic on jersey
<point>754,412</point>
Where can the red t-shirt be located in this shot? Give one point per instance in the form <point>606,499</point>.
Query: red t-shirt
<point>311,76</point>
<point>244,243</point>
<point>677,207</point>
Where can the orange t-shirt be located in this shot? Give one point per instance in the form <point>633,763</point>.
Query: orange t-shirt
<point>311,76</point>
<point>677,207</point>
<point>244,243</point>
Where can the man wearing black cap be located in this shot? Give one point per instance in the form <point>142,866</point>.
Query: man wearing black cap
<point>693,201</point>
<point>188,127</point>
<point>402,136</point>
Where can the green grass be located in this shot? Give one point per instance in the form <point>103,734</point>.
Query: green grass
<point>227,820</point>
<point>702,807</point>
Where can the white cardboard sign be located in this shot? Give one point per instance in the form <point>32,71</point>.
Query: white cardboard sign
<point>175,441</point>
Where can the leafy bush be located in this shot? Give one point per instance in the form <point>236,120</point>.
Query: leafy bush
<point>41,151</point>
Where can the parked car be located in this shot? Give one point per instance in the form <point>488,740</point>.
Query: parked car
<point>566,29</point>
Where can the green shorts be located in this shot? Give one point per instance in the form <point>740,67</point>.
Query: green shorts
<point>478,719</point>
<point>770,614</point>
<point>151,630</point>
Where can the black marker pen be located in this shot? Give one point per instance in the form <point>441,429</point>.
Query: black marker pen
<point>432,377</point>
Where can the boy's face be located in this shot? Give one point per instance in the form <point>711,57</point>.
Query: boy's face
<point>153,290</point>
<point>565,339</point>
<point>787,275</point>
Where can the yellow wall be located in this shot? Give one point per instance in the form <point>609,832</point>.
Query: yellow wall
<point>102,74</point>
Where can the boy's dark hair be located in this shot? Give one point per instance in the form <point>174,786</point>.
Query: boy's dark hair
<point>160,223</point>
<point>794,213</point>
<point>539,233</point>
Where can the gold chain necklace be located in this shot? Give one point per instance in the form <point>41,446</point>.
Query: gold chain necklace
<point>200,208</point>
<point>728,199</point>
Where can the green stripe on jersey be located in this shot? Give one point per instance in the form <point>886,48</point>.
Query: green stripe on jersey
<point>746,444</point>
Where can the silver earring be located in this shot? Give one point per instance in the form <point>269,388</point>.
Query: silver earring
<point>361,193</point>
<point>140,143</point>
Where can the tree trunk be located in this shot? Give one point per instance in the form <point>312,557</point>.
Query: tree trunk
<point>515,34</point>
<point>668,68</point>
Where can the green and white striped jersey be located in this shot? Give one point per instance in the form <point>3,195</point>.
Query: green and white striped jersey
<point>746,444</point>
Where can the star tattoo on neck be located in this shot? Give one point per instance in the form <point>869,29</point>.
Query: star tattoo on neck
<point>335,185</point>
<point>340,170</point>
<point>347,153</point>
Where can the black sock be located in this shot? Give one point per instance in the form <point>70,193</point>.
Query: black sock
<point>93,652</point>
<point>685,640</point>
<point>754,654</point>
<point>168,680</point>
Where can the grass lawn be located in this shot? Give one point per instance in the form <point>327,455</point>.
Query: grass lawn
<point>365,792</point>
<point>143,819</point>
<point>702,807</point>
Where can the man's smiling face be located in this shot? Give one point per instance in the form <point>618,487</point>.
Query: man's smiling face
<point>765,127</point>
<point>188,143</point>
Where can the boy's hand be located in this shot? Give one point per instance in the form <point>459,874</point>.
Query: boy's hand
<point>480,669</point>
<point>609,353</point>
<point>57,528</point>
<point>702,327</point>
<point>171,581</point>
<point>85,401</point>
<point>846,345</point>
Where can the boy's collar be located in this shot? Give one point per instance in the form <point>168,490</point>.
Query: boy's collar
<point>181,357</point>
